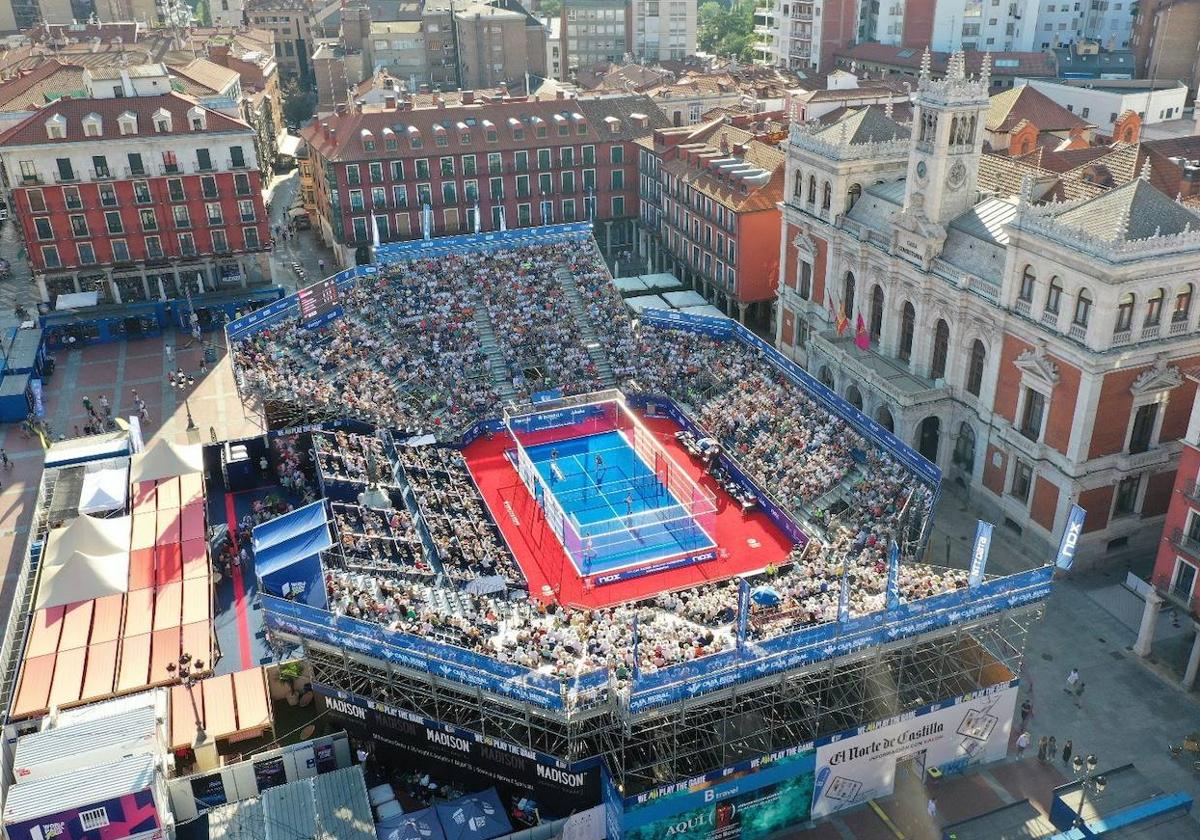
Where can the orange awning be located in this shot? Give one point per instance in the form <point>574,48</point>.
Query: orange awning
<point>33,695</point>
<point>168,566</point>
<point>195,559</point>
<point>168,605</point>
<point>100,671</point>
<point>168,493</point>
<point>106,618</point>
<point>76,626</point>
<point>141,568</point>
<point>220,716</point>
<point>193,521</point>
<point>168,525</point>
<point>164,651</point>
<point>191,488</point>
<point>139,612</point>
<point>197,641</point>
<point>197,600</point>
<point>44,631</point>
<point>145,530</point>
<point>253,707</point>
<point>183,715</point>
<point>68,677</point>
<point>135,663</point>
<point>144,497</point>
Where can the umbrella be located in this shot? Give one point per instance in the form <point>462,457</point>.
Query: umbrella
<point>765,596</point>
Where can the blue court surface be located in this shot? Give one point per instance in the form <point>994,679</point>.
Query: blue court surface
<point>619,512</point>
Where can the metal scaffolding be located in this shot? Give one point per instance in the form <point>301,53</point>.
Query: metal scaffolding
<point>681,740</point>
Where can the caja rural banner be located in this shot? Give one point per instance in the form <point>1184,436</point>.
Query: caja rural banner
<point>471,759</point>
<point>862,765</point>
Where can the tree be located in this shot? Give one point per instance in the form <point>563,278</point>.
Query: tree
<point>549,8</point>
<point>298,104</point>
<point>727,30</point>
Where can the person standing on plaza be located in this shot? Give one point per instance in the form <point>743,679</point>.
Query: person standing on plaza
<point>932,809</point>
<point>1023,741</point>
<point>1072,678</point>
<point>106,405</point>
<point>1043,743</point>
<point>1051,749</point>
<point>1026,711</point>
<point>1067,748</point>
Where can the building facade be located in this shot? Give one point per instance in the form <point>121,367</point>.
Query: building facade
<point>1103,102</point>
<point>664,30</point>
<point>1165,34</point>
<point>1046,367</point>
<point>595,32</point>
<point>804,34</point>
<point>393,173</point>
<point>138,196</point>
<point>290,22</point>
<point>709,212</point>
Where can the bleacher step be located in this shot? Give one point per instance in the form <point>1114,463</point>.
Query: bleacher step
<point>491,348</point>
<point>586,330</point>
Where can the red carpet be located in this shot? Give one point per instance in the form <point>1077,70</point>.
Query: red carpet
<point>749,542</point>
<point>239,589</point>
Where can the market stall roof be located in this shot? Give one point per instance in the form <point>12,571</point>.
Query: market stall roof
<point>76,300</point>
<point>686,298</point>
<point>640,303</point>
<point>164,459</point>
<point>83,577</point>
<point>89,448</point>
<point>104,486</point>
<point>707,310</point>
<point>87,535</point>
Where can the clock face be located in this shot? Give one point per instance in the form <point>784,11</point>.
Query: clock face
<point>957,175</point>
<point>921,169</point>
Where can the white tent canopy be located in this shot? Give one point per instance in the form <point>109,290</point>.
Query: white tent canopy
<point>164,459</point>
<point>104,487</point>
<point>82,577</point>
<point>88,535</point>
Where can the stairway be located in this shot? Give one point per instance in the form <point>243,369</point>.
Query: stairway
<point>501,381</point>
<point>587,332</point>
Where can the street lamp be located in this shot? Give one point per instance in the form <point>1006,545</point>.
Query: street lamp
<point>182,381</point>
<point>1089,782</point>
<point>188,671</point>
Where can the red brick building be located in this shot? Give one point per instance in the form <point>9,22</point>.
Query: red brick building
<point>514,162</point>
<point>1173,583</point>
<point>710,214</point>
<point>136,193</point>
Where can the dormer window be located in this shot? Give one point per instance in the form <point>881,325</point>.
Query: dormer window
<point>197,119</point>
<point>56,127</point>
<point>614,124</point>
<point>162,121</point>
<point>368,140</point>
<point>93,126</point>
<point>127,123</point>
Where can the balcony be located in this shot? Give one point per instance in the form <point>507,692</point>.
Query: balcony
<point>1078,332</point>
<point>31,180</point>
<point>1120,337</point>
<point>135,172</point>
<point>1050,319</point>
<point>237,164</point>
<point>66,178</point>
<point>1192,490</point>
<point>1186,543</point>
<point>170,169</point>
<point>1022,307</point>
<point>1177,595</point>
<point>104,174</point>
<point>216,221</point>
<point>878,371</point>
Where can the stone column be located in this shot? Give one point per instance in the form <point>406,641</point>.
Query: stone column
<point>1189,676</point>
<point>741,313</point>
<point>1145,637</point>
<point>116,291</point>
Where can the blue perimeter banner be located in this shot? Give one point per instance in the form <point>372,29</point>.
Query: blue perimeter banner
<point>288,306</point>
<point>470,243</point>
<point>979,553</point>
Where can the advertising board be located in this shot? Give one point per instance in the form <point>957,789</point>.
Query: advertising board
<point>131,815</point>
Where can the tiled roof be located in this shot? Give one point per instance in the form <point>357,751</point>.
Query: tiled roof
<point>864,125</point>
<point>1007,109</point>
<point>1003,63</point>
<point>32,130</point>
<point>608,119</point>
<point>1130,212</point>
<point>40,85</point>
<point>206,74</point>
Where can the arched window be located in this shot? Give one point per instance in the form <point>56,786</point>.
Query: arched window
<point>826,196</point>
<point>908,324</point>
<point>848,295</point>
<point>798,187</point>
<point>876,312</point>
<point>1054,295</point>
<point>883,416</point>
<point>1083,308</point>
<point>941,347</point>
<point>964,448</point>
<point>812,189</point>
<point>826,376</point>
<point>1124,313</point>
<point>1028,279</point>
<point>1183,304</point>
<point>805,279</point>
<point>852,196</point>
<point>1154,308</point>
<point>975,367</point>
<point>854,397</point>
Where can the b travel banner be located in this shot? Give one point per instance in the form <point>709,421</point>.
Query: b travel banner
<point>893,577</point>
<point>1070,538</point>
<point>743,611</point>
<point>468,758</point>
<point>979,553</point>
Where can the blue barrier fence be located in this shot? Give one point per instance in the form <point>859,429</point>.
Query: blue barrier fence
<point>288,306</point>
<point>444,246</point>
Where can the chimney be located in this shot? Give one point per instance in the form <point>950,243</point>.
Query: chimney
<point>560,94</point>
<point>468,97</point>
<point>218,52</point>
<point>389,102</point>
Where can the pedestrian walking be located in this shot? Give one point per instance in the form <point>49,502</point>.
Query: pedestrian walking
<point>932,809</point>
<point>106,405</point>
<point>87,405</point>
<point>1079,694</point>
<point>1043,743</point>
<point>1072,678</point>
<point>1051,749</point>
<point>1026,711</point>
<point>203,365</point>
<point>169,351</point>
<point>1067,753</point>
<point>1023,741</point>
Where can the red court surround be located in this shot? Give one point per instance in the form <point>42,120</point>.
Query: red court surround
<point>749,542</point>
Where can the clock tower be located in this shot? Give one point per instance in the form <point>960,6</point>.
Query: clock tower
<point>947,140</point>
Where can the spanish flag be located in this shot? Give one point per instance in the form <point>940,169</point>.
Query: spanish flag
<point>842,321</point>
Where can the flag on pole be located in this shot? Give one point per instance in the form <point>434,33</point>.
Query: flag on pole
<point>637,672</point>
<point>893,577</point>
<point>478,223</point>
<point>861,339</point>
<point>842,321</point>
<point>844,598</point>
<point>374,230</point>
<point>979,556</point>
<point>1070,538</point>
<point>427,221</point>
<point>503,220</point>
<point>833,316</point>
<point>743,616</point>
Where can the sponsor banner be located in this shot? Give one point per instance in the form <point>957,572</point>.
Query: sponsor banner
<point>765,796</point>
<point>124,816</point>
<point>892,599</point>
<point>743,611</point>
<point>1070,538</point>
<point>554,419</point>
<point>654,568</point>
<point>443,246</point>
<point>979,554</point>
<point>613,809</point>
<point>474,760</point>
<point>287,307</point>
<point>408,651</point>
<point>862,764</point>
<point>797,650</point>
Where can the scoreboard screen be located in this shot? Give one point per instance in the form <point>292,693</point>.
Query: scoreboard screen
<point>317,301</point>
